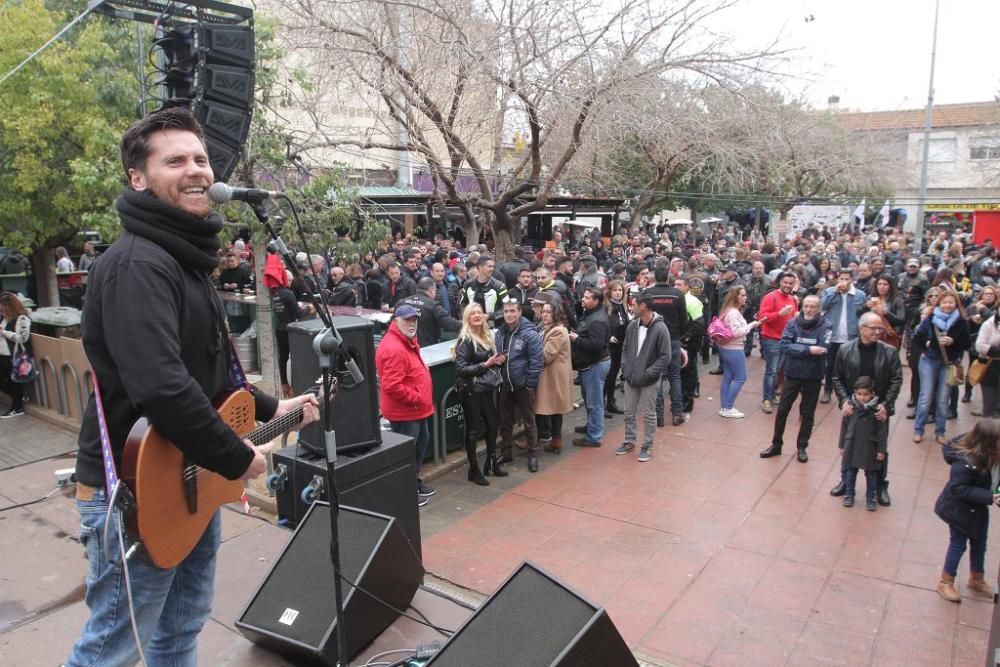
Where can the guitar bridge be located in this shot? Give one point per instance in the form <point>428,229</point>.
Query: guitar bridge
<point>190,475</point>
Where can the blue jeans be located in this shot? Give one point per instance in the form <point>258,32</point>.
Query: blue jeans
<point>592,387</point>
<point>771,347</point>
<point>673,376</point>
<point>956,547</point>
<point>171,606</point>
<point>734,374</point>
<point>933,387</point>
<point>420,431</point>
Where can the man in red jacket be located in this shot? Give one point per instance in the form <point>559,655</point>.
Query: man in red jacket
<point>405,381</point>
<point>777,308</point>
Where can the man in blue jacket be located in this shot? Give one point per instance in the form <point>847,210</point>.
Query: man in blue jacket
<point>519,342</point>
<point>805,344</point>
<point>842,304</point>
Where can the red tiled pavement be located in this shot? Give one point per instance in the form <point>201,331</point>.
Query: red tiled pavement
<point>709,555</point>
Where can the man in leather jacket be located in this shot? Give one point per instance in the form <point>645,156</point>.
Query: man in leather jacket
<point>867,355</point>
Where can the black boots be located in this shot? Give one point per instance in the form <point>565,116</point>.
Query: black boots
<point>611,407</point>
<point>474,474</point>
<point>494,466</point>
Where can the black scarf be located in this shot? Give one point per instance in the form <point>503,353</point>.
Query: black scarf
<point>192,241</point>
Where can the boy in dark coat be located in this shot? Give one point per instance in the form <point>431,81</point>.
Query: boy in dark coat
<point>864,440</point>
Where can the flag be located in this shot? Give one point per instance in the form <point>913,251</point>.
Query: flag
<point>884,212</point>
<point>859,212</point>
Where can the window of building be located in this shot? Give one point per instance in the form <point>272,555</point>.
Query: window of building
<point>984,148</point>
<point>939,150</point>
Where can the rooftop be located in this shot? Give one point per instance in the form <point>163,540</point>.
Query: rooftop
<point>945,115</point>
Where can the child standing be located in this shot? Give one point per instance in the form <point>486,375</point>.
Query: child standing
<point>964,505</point>
<point>864,440</point>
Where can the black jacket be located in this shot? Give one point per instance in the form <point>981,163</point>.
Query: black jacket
<point>344,293</point>
<point>799,335</point>
<point>669,303</point>
<point>433,319</point>
<point>469,360</point>
<point>285,308</point>
<point>393,293</point>
<point>150,331</point>
<point>591,345</point>
<point>888,373</point>
<point>489,295</point>
<point>524,297</point>
<point>965,500</point>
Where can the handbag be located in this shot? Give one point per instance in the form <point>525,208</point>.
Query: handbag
<point>954,376</point>
<point>487,381</point>
<point>23,368</point>
<point>890,336</point>
<point>977,371</point>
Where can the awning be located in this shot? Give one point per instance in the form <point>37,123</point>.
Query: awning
<point>589,223</point>
<point>678,221</point>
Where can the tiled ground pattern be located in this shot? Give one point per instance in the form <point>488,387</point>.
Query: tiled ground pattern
<point>709,555</point>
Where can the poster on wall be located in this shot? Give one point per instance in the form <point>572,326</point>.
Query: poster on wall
<point>803,216</point>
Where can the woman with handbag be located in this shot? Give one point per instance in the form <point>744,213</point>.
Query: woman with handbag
<point>478,380</point>
<point>15,332</point>
<point>988,349</point>
<point>942,338</point>
<point>554,397</point>
<point>886,303</point>
<point>979,312</point>
<point>619,317</point>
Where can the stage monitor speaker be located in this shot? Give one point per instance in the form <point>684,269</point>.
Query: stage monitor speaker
<point>533,620</point>
<point>293,611</point>
<point>355,409</point>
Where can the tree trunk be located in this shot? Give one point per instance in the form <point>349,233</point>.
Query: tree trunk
<point>266,344</point>
<point>503,236</point>
<point>44,268</point>
<point>471,230</point>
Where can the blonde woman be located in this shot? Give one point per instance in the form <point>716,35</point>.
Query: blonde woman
<point>478,380</point>
<point>554,397</point>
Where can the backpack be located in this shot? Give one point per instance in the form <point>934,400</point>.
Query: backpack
<point>719,332</point>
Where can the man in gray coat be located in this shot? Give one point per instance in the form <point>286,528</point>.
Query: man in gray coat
<point>646,353</point>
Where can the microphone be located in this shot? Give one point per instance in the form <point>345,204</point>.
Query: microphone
<point>221,193</point>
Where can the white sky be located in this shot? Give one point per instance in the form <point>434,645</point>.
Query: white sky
<point>875,54</point>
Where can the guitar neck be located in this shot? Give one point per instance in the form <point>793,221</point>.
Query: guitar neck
<point>267,432</point>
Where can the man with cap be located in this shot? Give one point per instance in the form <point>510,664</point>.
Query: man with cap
<point>433,319</point>
<point>405,390</point>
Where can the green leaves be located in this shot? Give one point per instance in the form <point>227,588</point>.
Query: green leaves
<point>60,121</point>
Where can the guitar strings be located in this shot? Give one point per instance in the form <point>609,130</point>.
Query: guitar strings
<point>279,425</point>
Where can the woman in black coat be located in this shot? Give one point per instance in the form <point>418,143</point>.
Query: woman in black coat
<point>477,382</point>
<point>618,317</point>
<point>964,505</point>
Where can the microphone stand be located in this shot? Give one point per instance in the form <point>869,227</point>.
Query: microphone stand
<point>327,346</point>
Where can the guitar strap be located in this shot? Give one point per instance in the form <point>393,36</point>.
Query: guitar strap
<point>237,378</point>
<point>110,472</point>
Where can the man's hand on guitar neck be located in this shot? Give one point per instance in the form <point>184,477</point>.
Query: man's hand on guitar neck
<point>310,408</point>
<point>310,413</point>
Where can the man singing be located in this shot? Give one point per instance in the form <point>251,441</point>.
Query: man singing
<point>155,335</point>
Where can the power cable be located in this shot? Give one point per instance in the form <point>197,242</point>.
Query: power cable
<point>47,44</point>
<point>31,502</point>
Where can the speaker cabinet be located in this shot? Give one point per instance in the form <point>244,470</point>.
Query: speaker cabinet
<point>534,620</point>
<point>293,611</point>
<point>382,479</point>
<point>355,409</point>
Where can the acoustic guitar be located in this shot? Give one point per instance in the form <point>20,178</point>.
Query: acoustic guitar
<point>175,499</point>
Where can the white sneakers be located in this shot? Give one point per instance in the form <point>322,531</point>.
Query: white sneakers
<point>731,413</point>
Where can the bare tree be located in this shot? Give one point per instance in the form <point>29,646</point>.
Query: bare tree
<point>454,79</point>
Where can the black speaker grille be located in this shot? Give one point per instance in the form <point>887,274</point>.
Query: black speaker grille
<point>528,622</point>
<point>301,583</point>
